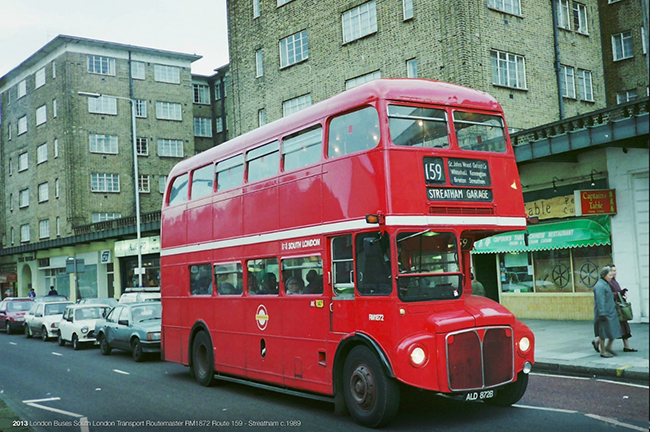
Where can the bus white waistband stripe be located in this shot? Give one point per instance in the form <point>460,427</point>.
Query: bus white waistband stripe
<point>357,224</point>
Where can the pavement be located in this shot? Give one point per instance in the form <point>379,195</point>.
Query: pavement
<point>564,348</point>
<point>561,347</point>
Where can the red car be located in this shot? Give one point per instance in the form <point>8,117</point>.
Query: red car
<point>12,313</point>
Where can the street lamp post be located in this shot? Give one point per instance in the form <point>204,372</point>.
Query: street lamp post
<point>135,174</point>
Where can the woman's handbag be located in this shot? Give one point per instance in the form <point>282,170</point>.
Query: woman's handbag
<point>623,309</point>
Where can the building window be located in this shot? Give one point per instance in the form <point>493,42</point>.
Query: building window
<point>167,74</point>
<point>359,22</point>
<point>137,70</point>
<point>102,105</point>
<point>407,6</point>
<point>508,6</point>
<point>162,182</point>
<point>103,144</point>
<point>281,2</point>
<point>41,115</point>
<point>355,82</point>
<point>562,7</point>
<point>11,202</point>
<point>13,236</point>
<point>508,69</point>
<point>580,18</point>
<point>261,117</point>
<point>43,192</point>
<point>171,148</point>
<point>202,127</point>
<point>23,161</point>
<point>57,188</point>
<point>168,111</point>
<point>53,70</point>
<point>24,233</point>
<point>412,68</point>
<point>142,146</point>
<point>622,45</point>
<point>39,78</point>
<point>22,125</point>
<point>41,154</point>
<point>625,96</point>
<point>23,198</point>
<point>294,49</point>
<point>217,91</point>
<point>143,183</point>
<point>201,94</point>
<point>103,217</point>
<point>296,104</point>
<point>56,148</point>
<point>219,124</point>
<point>585,90</point>
<point>58,226</point>
<point>259,64</point>
<point>9,131</point>
<point>140,108</point>
<point>104,182</point>
<point>567,80</point>
<point>101,65</point>
<point>256,8</point>
<point>22,89</point>
<point>54,110</point>
<point>644,47</point>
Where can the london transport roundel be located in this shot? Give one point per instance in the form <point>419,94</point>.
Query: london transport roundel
<point>261,317</point>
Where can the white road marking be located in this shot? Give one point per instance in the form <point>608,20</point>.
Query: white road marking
<point>591,379</point>
<point>42,400</point>
<point>616,422</point>
<point>84,424</point>
<point>56,353</point>
<point>13,343</point>
<point>546,409</point>
<point>68,413</point>
<point>121,372</point>
<point>83,421</point>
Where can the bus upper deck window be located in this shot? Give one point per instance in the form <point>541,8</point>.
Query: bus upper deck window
<point>202,181</point>
<point>418,127</point>
<point>263,162</point>
<point>178,192</point>
<point>230,173</point>
<point>479,132</point>
<point>302,149</point>
<point>353,132</point>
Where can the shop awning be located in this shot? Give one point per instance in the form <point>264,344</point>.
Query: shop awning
<point>559,235</point>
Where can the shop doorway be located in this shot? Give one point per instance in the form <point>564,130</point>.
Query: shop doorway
<point>485,271</point>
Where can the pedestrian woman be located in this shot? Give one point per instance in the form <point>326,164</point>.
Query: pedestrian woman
<point>606,324</point>
<point>625,327</point>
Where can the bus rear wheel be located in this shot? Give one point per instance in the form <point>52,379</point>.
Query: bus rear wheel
<point>203,360</point>
<point>371,396</point>
<point>511,393</point>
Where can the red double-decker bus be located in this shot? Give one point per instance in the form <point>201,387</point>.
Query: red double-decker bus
<point>329,252</point>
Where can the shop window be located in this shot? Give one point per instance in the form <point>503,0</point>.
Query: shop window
<point>587,262</point>
<point>515,272</point>
<point>553,271</point>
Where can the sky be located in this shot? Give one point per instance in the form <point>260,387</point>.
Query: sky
<point>187,26</point>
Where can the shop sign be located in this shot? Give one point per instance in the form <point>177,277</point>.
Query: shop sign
<point>8,277</point>
<point>595,202</point>
<point>148,245</point>
<point>557,207</point>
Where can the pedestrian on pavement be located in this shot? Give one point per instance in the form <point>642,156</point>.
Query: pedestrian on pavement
<point>625,327</point>
<point>477,287</point>
<point>606,324</point>
<point>31,293</point>
<point>52,291</point>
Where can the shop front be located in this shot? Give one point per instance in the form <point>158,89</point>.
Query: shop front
<point>552,274</point>
<point>126,252</point>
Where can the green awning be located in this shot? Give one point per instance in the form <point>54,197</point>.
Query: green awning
<point>559,235</point>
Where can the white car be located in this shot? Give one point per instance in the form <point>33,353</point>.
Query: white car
<point>43,319</point>
<point>77,324</point>
<point>139,296</point>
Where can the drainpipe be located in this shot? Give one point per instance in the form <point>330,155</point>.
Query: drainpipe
<point>557,59</point>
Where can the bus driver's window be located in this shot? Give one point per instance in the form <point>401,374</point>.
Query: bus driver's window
<point>373,264</point>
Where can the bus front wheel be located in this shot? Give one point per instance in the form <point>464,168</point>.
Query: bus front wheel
<point>203,360</point>
<point>371,396</point>
<point>511,393</point>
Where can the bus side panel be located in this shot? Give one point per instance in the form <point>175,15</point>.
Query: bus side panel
<point>228,208</point>
<point>261,208</point>
<point>264,338</point>
<point>407,180</point>
<point>228,332</point>
<point>173,227</point>
<point>300,199</point>
<point>199,221</point>
<point>509,197</point>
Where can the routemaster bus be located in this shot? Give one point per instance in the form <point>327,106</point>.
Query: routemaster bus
<point>328,252</point>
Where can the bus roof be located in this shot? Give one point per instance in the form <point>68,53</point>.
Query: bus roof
<point>402,89</point>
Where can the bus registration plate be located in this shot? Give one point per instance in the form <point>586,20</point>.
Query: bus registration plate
<point>486,394</point>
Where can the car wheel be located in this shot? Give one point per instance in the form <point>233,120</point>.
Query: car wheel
<point>203,360</point>
<point>371,396</point>
<point>44,334</point>
<point>28,332</point>
<point>75,342</point>
<point>60,340</point>
<point>136,350</point>
<point>8,327</point>
<point>104,347</point>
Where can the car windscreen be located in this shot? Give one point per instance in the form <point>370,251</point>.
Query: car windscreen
<point>55,309</point>
<point>89,313</point>
<point>19,306</point>
<point>146,312</point>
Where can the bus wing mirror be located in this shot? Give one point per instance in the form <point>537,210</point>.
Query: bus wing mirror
<point>526,235</point>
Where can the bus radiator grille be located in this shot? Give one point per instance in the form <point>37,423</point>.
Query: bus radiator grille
<point>480,358</point>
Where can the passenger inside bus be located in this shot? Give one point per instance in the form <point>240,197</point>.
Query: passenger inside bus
<point>253,283</point>
<point>269,284</point>
<point>200,279</point>
<point>223,286</point>
<point>373,256</point>
<point>314,283</point>
<point>294,285</point>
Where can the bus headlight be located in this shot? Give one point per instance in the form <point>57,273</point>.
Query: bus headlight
<point>418,356</point>
<point>524,344</point>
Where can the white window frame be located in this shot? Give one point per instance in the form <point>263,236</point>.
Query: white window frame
<point>58,226</point>
<point>201,94</point>
<point>102,105</point>
<point>23,198</point>
<point>563,14</point>
<point>170,148</point>
<point>219,124</point>
<point>144,183</point>
<point>169,111</point>
<point>585,85</point>
<point>41,154</point>
<point>359,22</point>
<point>100,65</point>
<point>24,233</point>
<point>512,7</point>
<point>23,161</point>
<point>261,117</point>
<point>256,8</point>
<point>41,115</point>
<point>620,47</point>
<point>56,148</point>
<point>43,192</point>
<point>140,106</point>
<point>57,188</point>
<point>644,46</point>
<point>202,127</point>
<point>294,49</point>
<point>567,78</point>
<point>22,89</point>
<point>103,217</point>
<point>53,69</point>
<point>44,229</point>
<point>22,125</point>
<point>142,146</point>
<point>39,78</point>
<point>54,109</point>
<point>412,68</point>
<point>138,70</point>
<point>580,19</point>
<point>626,96</point>
<point>9,131</point>
<point>259,63</point>
<point>511,64</point>
<point>103,144</point>
<point>162,182</point>
<point>217,91</point>
<point>11,202</point>
<point>296,104</point>
<point>362,79</point>
<point>407,8</point>
<point>167,74</point>
<point>104,183</point>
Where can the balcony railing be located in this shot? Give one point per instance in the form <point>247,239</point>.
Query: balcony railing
<point>124,222</point>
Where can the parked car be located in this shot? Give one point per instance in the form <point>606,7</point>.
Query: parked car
<point>133,327</point>
<point>77,324</point>
<point>12,312</point>
<point>110,301</point>
<point>50,298</point>
<point>43,319</point>
<point>139,296</point>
